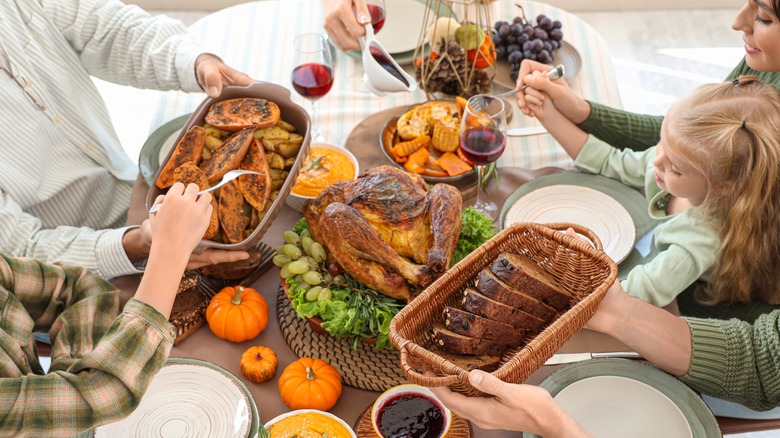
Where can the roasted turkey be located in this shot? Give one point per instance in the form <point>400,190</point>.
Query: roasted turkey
<point>387,229</point>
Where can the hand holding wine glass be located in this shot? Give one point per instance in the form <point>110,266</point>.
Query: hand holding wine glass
<point>345,20</point>
<point>482,140</point>
<point>312,76</point>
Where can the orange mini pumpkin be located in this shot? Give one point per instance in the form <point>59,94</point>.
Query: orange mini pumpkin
<point>237,314</point>
<point>258,364</point>
<point>310,384</point>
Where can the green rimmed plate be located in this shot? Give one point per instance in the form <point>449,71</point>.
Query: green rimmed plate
<point>190,395</point>
<point>633,399</point>
<point>156,147</point>
<point>632,200</point>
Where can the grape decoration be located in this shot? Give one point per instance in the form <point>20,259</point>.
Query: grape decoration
<point>521,39</point>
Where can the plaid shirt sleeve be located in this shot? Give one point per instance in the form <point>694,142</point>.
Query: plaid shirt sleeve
<point>101,364</point>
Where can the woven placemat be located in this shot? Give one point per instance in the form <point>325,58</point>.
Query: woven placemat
<point>460,428</point>
<point>364,368</point>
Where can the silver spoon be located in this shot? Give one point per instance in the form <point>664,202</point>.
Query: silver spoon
<point>229,176</point>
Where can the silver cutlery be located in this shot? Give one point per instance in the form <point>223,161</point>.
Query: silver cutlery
<point>226,178</point>
<point>553,74</point>
<point>562,358</point>
<point>525,131</point>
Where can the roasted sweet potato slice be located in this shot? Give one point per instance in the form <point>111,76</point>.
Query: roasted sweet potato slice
<point>228,156</point>
<point>231,209</point>
<point>255,188</point>
<point>238,114</point>
<point>189,149</point>
<point>189,173</point>
<point>453,164</point>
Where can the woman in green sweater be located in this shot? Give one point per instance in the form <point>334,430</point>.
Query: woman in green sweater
<point>757,20</point>
<point>729,359</point>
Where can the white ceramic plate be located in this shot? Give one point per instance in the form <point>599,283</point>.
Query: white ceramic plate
<point>623,398</point>
<point>601,213</point>
<point>617,407</point>
<point>567,55</point>
<point>190,398</point>
<point>156,147</point>
<point>403,23</point>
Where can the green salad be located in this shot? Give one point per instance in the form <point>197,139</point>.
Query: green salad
<point>349,309</point>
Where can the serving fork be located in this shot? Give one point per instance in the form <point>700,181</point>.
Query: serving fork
<point>226,178</point>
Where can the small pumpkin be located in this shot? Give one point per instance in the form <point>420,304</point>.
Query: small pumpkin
<point>259,363</point>
<point>237,314</point>
<point>310,384</point>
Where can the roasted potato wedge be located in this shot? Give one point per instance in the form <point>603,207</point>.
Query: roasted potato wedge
<point>189,149</point>
<point>227,157</point>
<point>238,114</point>
<point>189,173</point>
<point>286,126</point>
<point>274,132</point>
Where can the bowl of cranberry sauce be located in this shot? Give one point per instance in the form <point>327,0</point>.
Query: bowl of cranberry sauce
<point>410,411</point>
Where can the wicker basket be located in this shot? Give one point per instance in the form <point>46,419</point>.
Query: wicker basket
<point>571,263</point>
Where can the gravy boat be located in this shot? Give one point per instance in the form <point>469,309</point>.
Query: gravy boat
<point>381,73</point>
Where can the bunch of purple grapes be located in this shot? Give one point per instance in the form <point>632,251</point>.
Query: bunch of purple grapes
<point>521,40</point>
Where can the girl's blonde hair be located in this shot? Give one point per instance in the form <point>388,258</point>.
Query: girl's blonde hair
<point>731,134</point>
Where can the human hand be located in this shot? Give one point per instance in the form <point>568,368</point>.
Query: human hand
<point>213,74</point>
<point>521,407</point>
<point>345,26</point>
<point>572,106</point>
<point>538,103</point>
<point>182,219</point>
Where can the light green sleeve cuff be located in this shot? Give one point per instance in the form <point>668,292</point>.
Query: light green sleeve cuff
<point>709,359</point>
<point>593,155</point>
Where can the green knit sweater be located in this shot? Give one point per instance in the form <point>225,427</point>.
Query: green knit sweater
<point>732,359</point>
<point>737,361</point>
<point>623,129</point>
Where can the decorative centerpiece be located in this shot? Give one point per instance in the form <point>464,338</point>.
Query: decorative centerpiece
<point>459,59</point>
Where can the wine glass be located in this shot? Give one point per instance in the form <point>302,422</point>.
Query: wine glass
<point>482,140</point>
<point>377,10</point>
<point>312,76</point>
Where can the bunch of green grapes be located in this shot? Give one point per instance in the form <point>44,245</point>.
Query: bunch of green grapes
<point>303,260</point>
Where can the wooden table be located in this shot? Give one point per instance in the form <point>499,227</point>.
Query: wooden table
<point>257,37</point>
<point>205,346</point>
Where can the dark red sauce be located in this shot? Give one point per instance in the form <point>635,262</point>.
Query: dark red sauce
<point>410,415</point>
<point>387,64</point>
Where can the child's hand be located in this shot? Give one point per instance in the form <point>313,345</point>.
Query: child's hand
<point>538,103</point>
<point>182,219</point>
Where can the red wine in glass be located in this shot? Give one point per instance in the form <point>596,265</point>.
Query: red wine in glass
<point>312,80</point>
<point>482,145</point>
<point>377,16</point>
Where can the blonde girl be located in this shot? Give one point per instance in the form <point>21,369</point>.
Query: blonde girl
<point>712,182</point>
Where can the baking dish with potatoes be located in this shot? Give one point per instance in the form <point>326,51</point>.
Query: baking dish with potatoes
<point>257,127</point>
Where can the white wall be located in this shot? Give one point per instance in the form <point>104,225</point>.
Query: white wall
<point>570,5</point>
